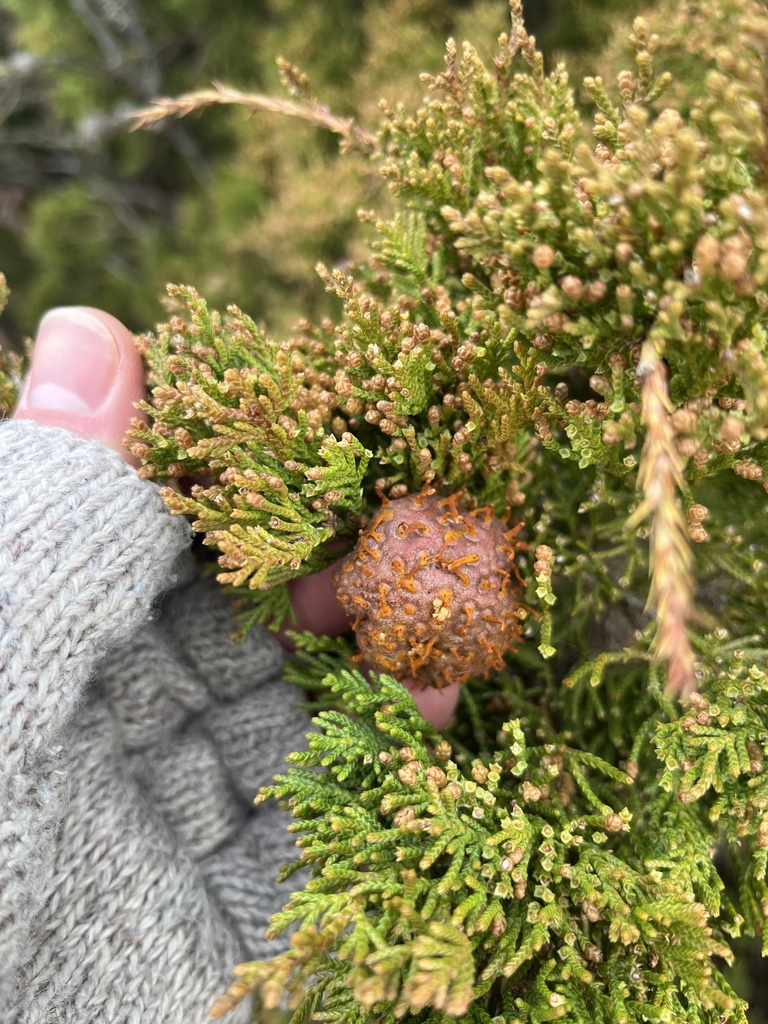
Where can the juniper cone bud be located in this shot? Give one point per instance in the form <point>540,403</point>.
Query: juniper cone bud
<point>433,591</point>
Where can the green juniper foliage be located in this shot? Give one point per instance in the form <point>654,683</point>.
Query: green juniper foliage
<point>566,317</point>
<point>10,364</point>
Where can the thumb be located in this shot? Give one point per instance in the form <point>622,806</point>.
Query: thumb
<point>437,706</point>
<point>85,376</point>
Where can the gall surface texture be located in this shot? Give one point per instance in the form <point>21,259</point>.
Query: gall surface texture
<point>432,590</point>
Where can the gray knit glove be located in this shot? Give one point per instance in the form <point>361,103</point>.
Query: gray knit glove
<point>134,870</point>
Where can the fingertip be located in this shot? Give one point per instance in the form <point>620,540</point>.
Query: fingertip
<point>86,376</point>
<point>437,706</point>
<point>315,604</point>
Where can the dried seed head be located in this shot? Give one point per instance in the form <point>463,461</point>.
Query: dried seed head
<point>600,384</point>
<point>543,256</point>
<point>437,775</point>
<point>531,793</point>
<point>404,816</point>
<point>591,911</point>
<point>572,288</point>
<point>592,953</point>
<point>595,292</point>
<point>443,750</point>
<point>706,253</point>
<point>735,257</point>
<point>613,823</point>
<point>748,470</point>
<point>545,559</point>
<point>684,421</point>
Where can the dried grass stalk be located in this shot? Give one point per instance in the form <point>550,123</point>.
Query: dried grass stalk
<point>660,475</point>
<point>306,109</point>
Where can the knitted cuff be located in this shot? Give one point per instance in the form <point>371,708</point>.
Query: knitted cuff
<point>85,549</point>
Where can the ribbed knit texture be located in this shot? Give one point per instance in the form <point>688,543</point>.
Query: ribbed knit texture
<point>134,870</point>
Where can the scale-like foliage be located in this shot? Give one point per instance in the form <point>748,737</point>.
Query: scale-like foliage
<point>566,317</point>
<point>462,884</point>
<point>10,364</point>
<point>227,401</point>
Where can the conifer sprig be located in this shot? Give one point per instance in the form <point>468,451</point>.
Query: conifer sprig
<point>469,887</point>
<point>10,365</point>
<point>580,848</point>
<point>257,415</point>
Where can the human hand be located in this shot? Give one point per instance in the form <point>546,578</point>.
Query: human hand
<point>86,377</point>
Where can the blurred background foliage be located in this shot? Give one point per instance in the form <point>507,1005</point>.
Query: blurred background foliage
<point>240,206</point>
